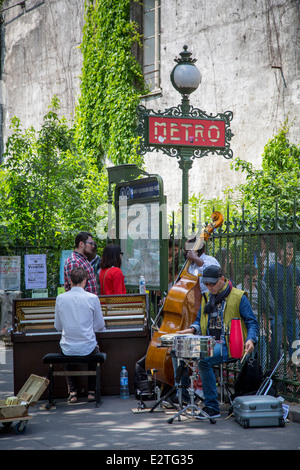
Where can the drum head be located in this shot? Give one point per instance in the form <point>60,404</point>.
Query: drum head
<point>167,340</point>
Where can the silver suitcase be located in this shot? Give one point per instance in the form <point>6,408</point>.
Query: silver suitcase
<point>258,411</point>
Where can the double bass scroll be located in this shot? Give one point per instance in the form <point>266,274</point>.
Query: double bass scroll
<point>179,310</point>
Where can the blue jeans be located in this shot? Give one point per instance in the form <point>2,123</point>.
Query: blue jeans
<point>208,377</point>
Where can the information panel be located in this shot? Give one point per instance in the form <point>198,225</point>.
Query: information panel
<point>140,220</point>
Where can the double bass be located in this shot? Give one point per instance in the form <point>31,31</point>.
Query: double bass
<point>179,310</point>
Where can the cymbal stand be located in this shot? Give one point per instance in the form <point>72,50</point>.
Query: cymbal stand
<point>195,410</point>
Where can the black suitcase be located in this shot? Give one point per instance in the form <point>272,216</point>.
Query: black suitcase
<point>258,411</point>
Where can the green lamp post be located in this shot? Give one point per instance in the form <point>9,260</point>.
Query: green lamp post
<point>182,131</point>
<point>185,78</point>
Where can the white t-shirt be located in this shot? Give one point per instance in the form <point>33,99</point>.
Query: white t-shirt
<point>198,270</point>
<point>78,315</point>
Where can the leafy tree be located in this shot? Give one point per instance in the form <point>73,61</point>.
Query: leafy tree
<point>46,188</point>
<point>276,181</point>
<point>271,190</point>
<point>53,182</point>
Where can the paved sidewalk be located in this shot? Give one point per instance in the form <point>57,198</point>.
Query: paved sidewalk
<point>116,429</point>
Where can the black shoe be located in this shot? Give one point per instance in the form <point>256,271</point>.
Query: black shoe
<point>210,412</point>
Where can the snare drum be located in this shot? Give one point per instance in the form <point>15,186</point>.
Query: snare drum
<point>194,346</point>
<point>167,341</point>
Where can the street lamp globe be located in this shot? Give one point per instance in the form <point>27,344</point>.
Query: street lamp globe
<point>185,76</point>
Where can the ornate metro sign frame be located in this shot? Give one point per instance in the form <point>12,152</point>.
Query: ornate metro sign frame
<point>177,130</point>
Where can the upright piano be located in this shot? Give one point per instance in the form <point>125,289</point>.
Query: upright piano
<point>125,340</point>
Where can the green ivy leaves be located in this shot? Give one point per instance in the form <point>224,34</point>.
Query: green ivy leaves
<point>112,83</point>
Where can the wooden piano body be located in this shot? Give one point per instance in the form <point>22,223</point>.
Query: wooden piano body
<point>125,340</point>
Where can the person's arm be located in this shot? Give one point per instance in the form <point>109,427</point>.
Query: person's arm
<point>187,331</point>
<point>92,283</point>
<point>68,267</point>
<point>251,323</point>
<point>67,271</point>
<point>99,324</point>
<point>57,321</point>
<point>192,255</point>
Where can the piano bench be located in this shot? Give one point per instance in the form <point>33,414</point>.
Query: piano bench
<point>58,358</point>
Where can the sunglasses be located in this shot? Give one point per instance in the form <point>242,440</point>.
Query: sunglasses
<point>209,284</point>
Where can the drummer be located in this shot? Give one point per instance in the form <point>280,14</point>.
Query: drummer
<point>199,261</point>
<point>223,303</point>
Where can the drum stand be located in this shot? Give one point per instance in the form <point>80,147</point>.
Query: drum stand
<point>166,397</point>
<point>195,410</point>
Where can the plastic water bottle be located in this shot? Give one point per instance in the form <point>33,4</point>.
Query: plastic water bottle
<point>142,285</point>
<point>124,387</point>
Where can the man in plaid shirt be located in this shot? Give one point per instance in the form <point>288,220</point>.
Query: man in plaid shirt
<point>83,247</point>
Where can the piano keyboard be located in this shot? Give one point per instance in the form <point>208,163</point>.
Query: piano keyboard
<point>108,330</point>
<point>121,313</point>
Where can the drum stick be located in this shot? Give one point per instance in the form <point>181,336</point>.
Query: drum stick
<point>245,354</point>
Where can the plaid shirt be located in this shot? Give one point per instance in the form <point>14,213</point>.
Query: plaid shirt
<point>74,261</point>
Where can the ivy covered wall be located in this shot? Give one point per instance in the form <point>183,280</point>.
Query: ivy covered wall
<point>111,84</point>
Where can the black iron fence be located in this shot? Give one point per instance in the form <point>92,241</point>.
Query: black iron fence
<point>262,257</point>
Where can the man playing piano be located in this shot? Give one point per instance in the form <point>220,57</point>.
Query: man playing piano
<point>78,315</point>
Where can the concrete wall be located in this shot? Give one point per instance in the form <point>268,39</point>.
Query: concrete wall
<point>40,59</point>
<point>236,44</point>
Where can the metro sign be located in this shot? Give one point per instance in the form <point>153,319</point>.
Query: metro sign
<point>178,133</point>
<point>174,132</point>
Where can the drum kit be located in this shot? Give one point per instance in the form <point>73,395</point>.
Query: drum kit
<point>190,349</point>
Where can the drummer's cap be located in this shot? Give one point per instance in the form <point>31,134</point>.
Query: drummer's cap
<point>212,274</point>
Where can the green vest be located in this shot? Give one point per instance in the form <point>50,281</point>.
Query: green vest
<point>231,311</point>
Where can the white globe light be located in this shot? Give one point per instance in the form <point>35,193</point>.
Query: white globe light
<point>185,76</point>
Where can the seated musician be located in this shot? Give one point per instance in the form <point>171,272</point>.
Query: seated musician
<point>78,315</point>
<point>199,261</point>
<point>223,303</point>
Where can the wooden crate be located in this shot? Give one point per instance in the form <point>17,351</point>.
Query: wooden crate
<point>27,396</point>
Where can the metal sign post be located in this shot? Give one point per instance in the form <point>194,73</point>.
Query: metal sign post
<point>184,132</point>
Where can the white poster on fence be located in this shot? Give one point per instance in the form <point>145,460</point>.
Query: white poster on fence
<point>10,270</point>
<point>35,272</point>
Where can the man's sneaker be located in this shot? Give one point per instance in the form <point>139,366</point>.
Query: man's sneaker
<point>210,412</point>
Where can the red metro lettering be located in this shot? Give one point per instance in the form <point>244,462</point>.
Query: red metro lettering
<point>186,132</point>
